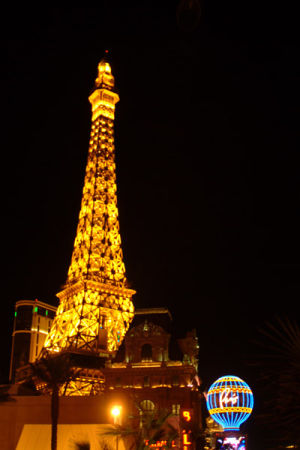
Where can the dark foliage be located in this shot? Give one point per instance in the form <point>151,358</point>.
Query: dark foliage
<point>278,364</point>
<point>54,371</point>
<point>83,446</point>
<point>155,427</point>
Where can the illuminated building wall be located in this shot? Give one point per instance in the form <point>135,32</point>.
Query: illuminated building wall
<point>144,370</point>
<point>32,323</point>
<point>151,371</point>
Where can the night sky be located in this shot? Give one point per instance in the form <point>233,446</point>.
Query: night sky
<point>207,161</point>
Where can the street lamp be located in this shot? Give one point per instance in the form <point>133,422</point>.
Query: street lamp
<point>116,413</point>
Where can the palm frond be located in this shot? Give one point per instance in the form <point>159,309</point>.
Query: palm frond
<point>279,367</point>
<point>53,371</point>
<point>154,428</point>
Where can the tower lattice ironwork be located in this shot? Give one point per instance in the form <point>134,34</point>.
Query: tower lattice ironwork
<point>95,307</point>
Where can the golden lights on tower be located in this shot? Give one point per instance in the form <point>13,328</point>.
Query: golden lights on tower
<point>95,304</point>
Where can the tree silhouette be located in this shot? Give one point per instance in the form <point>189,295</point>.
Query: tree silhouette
<point>51,373</point>
<point>154,426</point>
<point>279,381</point>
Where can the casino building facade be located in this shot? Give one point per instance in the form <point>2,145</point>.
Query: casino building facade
<point>32,323</point>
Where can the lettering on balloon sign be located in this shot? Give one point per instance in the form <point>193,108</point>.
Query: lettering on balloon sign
<point>226,397</point>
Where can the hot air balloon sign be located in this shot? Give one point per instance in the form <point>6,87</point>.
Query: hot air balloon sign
<point>230,402</point>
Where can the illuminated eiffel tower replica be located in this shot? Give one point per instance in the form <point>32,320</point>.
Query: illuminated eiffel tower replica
<point>95,307</point>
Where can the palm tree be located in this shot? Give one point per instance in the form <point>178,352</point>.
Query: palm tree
<point>155,426</point>
<point>51,373</point>
<point>279,367</point>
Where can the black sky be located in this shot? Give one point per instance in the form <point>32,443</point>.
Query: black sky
<point>207,161</point>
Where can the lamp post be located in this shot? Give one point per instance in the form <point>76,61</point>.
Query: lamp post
<point>116,413</point>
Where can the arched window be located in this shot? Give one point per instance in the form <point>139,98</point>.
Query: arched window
<point>146,353</point>
<point>147,406</point>
<point>146,410</point>
<point>176,409</point>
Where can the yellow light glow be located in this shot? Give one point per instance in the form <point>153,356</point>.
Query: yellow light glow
<point>39,331</point>
<point>116,411</point>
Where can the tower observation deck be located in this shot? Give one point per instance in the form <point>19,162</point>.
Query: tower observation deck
<point>95,307</point>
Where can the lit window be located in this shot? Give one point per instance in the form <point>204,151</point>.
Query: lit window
<point>146,410</point>
<point>176,409</point>
<point>147,406</point>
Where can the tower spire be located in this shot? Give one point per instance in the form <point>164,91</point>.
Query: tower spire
<point>95,304</point>
<point>97,253</point>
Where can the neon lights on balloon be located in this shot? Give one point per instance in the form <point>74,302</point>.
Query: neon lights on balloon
<point>230,402</point>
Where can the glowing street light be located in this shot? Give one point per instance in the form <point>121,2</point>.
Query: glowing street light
<point>116,413</point>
